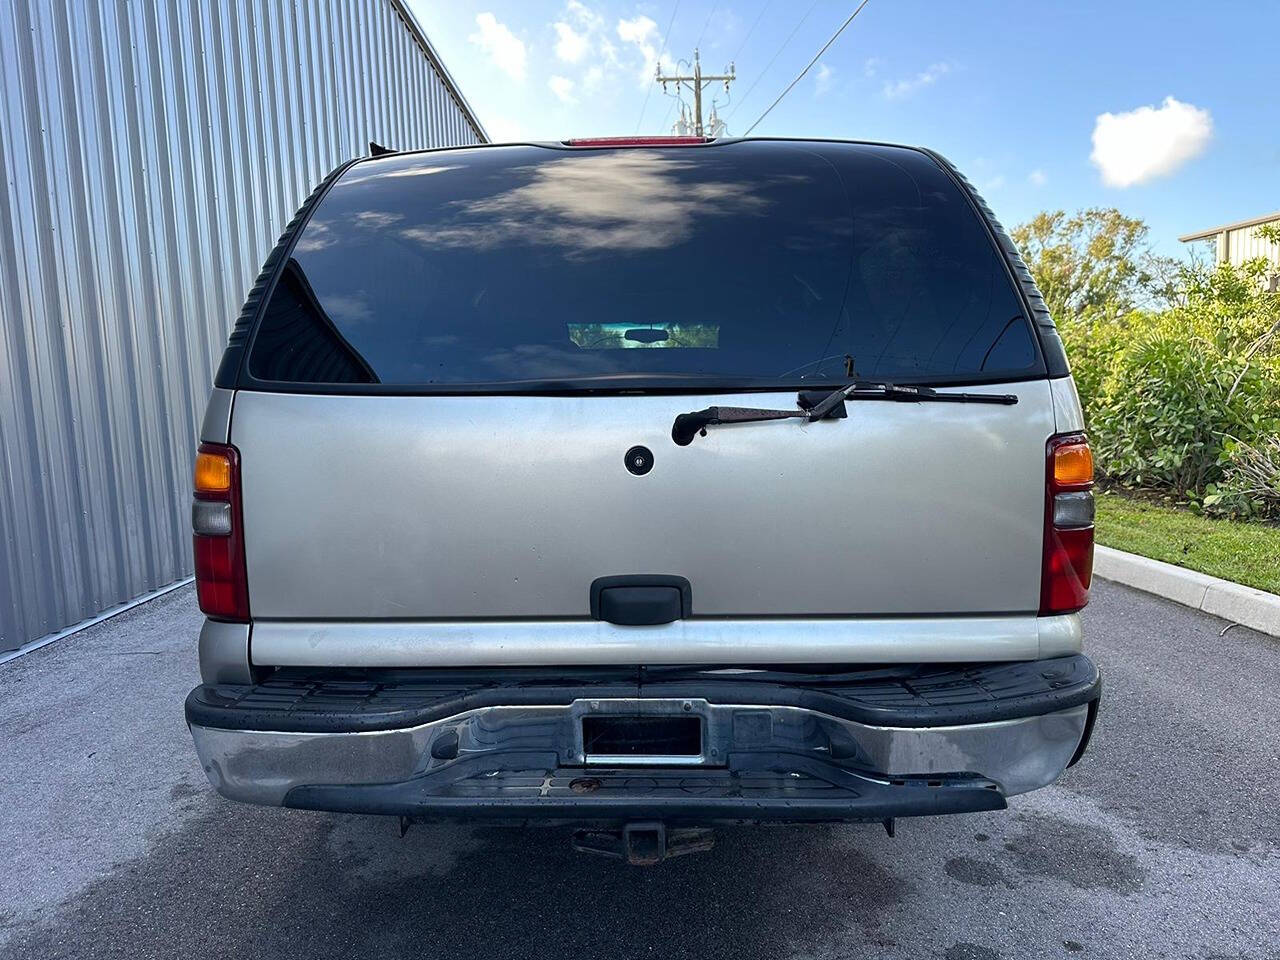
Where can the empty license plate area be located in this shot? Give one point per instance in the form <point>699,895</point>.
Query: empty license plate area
<point>651,733</point>
<point>642,736</point>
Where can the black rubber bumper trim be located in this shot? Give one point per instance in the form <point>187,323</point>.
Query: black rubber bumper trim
<point>363,702</point>
<point>758,787</point>
<point>1089,722</point>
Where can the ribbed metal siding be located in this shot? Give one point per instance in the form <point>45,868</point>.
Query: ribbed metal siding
<point>151,152</point>
<point>1246,243</point>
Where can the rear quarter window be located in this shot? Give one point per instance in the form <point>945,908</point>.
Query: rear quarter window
<point>753,264</point>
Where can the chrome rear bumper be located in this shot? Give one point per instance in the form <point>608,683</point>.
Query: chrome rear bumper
<point>538,744</point>
<point>691,745</point>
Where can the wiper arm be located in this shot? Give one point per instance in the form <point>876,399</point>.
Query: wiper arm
<point>689,425</point>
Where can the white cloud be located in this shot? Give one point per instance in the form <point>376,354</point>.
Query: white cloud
<point>926,78</point>
<point>642,33</point>
<point>504,48</point>
<point>822,80</point>
<point>994,184</point>
<point>584,14</point>
<point>636,30</point>
<point>597,53</point>
<point>562,87</point>
<point>1037,178</point>
<point>1149,142</point>
<point>872,66</point>
<point>504,128</point>
<point>571,46</point>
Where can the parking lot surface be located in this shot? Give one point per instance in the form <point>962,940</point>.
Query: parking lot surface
<point>1163,842</point>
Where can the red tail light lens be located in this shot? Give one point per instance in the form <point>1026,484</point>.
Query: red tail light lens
<point>1068,525</point>
<point>222,584</point>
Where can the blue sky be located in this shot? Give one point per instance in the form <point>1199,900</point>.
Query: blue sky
<point>1167,110</point>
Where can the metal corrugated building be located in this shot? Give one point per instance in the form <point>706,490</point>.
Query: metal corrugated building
<point>1236,243</point>
<point>151,152</point>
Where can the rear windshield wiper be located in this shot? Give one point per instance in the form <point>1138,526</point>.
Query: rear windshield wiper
<point>817,407</point>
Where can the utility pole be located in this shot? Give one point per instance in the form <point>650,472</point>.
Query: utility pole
<point>697,82</point>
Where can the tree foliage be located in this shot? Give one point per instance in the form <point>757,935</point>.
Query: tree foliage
<point>1178,365</point>
<point>1093,259</point>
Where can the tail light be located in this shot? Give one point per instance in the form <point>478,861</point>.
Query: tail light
<point>222,585</point>
<point>1068,525</point>
<point>671,141</point>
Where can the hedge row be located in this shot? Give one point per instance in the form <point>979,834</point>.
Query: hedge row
<point>1186,400</point>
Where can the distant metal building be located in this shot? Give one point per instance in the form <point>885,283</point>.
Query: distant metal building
<point>150,153</point>
<point>1236,243</point>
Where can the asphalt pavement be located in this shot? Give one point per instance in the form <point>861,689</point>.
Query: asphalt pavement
<point>1163,842</point>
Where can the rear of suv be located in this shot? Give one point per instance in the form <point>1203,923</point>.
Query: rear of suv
<point>644,487</point>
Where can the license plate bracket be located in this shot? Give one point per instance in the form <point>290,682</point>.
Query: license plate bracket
<point>642,736</point>
<point>640,733</point>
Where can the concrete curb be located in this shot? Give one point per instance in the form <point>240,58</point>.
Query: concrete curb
<point>1246,606</point>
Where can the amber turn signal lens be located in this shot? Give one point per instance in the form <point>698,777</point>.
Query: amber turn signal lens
<point>213,473</point>
<point>1073,465</point>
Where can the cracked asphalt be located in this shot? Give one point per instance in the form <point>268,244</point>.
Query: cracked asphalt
<point>1163,842</point>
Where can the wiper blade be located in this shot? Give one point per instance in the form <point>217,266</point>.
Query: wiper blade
<point>903,393</point>
<point>689,425</point>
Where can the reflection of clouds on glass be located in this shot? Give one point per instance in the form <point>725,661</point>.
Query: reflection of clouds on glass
<point>441,340</point>
<point>375,218</point>
<point>364,174</point>
<point>349,309</point>
<point>610,201</point>
<point>320,234</point>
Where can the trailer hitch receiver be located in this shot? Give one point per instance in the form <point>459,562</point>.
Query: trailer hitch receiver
<point>644,844</point>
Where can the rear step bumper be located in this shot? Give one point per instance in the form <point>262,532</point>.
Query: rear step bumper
<point>452,747</point>
<point>761,788</point>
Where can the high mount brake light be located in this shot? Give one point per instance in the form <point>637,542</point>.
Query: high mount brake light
<point>1068,525</point>
<point>637,141</point>
<point>217,523</point>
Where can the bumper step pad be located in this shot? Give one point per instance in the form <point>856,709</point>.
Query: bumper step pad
<point>304,701</point>
<point>754,788</point>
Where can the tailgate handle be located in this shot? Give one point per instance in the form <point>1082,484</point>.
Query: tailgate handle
<point>639,600</point>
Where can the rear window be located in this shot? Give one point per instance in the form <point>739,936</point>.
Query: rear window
<point>745,264</point>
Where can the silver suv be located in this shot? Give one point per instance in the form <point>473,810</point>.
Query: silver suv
<point>643,485</point>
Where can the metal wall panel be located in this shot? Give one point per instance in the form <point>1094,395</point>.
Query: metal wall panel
<point>1246,243</point>
<point>151,151</point>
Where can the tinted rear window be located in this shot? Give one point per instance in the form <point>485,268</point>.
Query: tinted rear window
<point>748,263</point>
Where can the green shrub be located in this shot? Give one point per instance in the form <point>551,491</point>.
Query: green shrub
<point>1251,483</point>
<point>1175,398</point>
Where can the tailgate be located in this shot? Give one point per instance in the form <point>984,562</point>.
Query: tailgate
<point>457,507</point>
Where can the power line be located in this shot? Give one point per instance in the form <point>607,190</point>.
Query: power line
<point>698,42</point>
<point>675,98</point>
<point>808,66</point>
<point>775,56</point>
<point>666,36</point>
<point>743,45</point>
